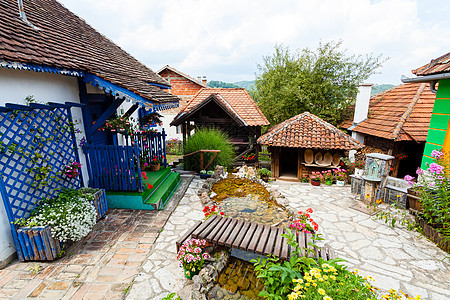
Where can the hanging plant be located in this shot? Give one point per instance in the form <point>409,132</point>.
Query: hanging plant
<point>153,118</point>
<point>121,124</point>
<point>72,169</point>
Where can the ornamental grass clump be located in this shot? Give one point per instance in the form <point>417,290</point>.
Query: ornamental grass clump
<point>71,215</point>
<point>208,139</point>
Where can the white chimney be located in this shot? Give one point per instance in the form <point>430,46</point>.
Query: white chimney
<point>362,103</point>
<point>361,108</point>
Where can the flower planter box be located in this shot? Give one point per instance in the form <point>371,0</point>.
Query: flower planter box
<point>153,167</point>
<point>414,202</point>
<point>37,243</point>
<point>100,203</point>
<point>433,235</point>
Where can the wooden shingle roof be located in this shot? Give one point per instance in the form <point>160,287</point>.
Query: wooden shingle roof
<point>308,131</point>
<point>401,113</point>
<point>438,65</point>
<point>66,41</point>
<point>236,101</point>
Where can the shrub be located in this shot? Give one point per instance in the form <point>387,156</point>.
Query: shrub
<point>208,139</point>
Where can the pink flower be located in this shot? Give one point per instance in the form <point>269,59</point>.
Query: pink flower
<point>435,168</point>
<point>436,154</point>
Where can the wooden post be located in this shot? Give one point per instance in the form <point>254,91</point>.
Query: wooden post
<point>275,162</point>
<point>201,161</point>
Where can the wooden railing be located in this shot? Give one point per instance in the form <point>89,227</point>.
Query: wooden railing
<point>201,157</point>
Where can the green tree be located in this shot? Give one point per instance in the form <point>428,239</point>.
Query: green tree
<point>323,82</point>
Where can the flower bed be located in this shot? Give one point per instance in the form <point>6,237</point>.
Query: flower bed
<point>439,239</point>
<point>55,222</point>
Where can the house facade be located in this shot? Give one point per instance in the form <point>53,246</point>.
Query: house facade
<point>183,86</point>
<point>49,55</point>
<point>437,74</point>
<point>394,122</point>
<point>304,144</point>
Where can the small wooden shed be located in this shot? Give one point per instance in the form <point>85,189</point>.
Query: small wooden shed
<point>305,143</point>
<point>232,111</point>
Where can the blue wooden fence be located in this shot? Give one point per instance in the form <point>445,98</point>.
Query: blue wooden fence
<point>36,143</point>
<point>151,145</point>
<point>114,168</point>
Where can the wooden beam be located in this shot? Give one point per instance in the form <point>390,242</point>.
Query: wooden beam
<point>131,110</point>
<point>109,111</point>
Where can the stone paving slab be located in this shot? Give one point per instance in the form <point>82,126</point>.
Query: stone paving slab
<point>103,265</point>
<point>396,258</point>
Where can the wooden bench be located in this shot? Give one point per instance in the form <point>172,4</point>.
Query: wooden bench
<point>252,237</point>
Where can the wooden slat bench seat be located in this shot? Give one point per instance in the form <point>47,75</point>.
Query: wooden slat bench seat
<point>252,237</point>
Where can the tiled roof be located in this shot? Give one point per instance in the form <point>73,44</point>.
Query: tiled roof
<point>308,131</point>
<point>237,100</point>
<point>401,113</point>
<point>438,65</point>
<point>169,68</point>
<point>67,41</point>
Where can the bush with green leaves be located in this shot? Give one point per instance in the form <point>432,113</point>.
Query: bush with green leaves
<point>303,277</point>
<point>71,215</point>
<point>208,139</point>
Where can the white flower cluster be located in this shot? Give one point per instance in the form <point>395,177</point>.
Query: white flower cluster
<point>71,219</point>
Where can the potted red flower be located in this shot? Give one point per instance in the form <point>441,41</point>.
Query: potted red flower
<point>155,163</point>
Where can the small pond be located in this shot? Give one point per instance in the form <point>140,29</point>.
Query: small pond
<point>244,199</point>
<point>241,198</point>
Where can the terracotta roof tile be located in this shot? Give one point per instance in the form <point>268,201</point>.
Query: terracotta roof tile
<point>66,41</point>
<point>438,65</point>
<point>308,131</point>
<point>402,113</point>
<point>238,99</point>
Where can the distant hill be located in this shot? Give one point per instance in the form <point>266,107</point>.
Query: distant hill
<point>240,84</point>
<point>221,84</point>
<point>248,85</point>
<point>378,88</point>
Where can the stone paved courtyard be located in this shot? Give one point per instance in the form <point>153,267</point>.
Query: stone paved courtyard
<point>132,254</point>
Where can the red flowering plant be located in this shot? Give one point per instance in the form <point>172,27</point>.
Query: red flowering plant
<point>214,210</point>
<point>72,169</point>
<point>317,176</point>
<point>191,256</point>
<point>248,157</point>
<point>305,222</point>
<point>328,175</point>
<point>156,160</point>
<point>401,156</point>
<point>120,124</point>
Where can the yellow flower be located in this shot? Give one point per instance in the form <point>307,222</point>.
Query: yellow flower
<point>356,270</point>
<point>321,291</point>
<point>333,277</point>
<point>321,279</point>
<point>325,277</point>
<point>417,297</point>
<point>314,284</point>
<point>307,284</point>
<point>327,298</point>
<point>379,201</point>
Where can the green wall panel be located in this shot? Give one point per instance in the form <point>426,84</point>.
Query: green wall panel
<point>425,161</point>
<point>443,89</point>
<point>439,121</point>
<point>441,106</point>
<point>436,136</point>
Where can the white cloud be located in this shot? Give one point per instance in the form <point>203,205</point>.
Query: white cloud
<point>225,40</point>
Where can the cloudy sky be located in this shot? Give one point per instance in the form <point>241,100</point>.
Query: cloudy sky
<point>226,40</point>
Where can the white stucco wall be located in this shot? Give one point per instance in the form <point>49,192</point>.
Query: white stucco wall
<point>15,85</point>
<point>171,131</point>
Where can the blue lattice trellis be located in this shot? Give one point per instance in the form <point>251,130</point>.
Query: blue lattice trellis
<point>36,143</point>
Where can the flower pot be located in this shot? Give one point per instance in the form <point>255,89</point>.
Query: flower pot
<point>315,182</point>
<point>265,178</point>
<point>340,182</point>
<point>328,182</point>
<point>189,273</point>
<point>359,172</point>
<point>204,176</point>
<point>154,167</point>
